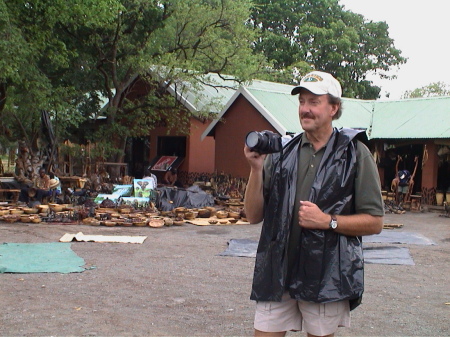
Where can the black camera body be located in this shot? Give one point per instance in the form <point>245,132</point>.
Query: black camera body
<point>264,142</point>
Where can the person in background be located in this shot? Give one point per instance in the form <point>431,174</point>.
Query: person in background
<point>171,178</point>
<point>54,187</point>
<point>148,175</point>
<point>39,189</point>
<point>314,203</point>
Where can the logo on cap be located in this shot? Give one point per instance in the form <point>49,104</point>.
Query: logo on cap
<point>313,78</point>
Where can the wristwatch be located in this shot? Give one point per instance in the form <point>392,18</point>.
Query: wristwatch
<point>333,223</point>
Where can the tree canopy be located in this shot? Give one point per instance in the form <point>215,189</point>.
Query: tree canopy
<point>66,59</point>
<point>435,89</point>
<point>74,53</point>
<point>300,35</point>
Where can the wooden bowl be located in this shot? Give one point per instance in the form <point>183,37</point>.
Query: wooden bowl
<point>156,223</point>
<point>178,221</point>
<point>91,222</point>
<point>30,210</point>
<point>25,218</point>
<point>35,219</point>
<point>234,215</point>
<point>57,208</point>
<point>212,209</point>
<point>16,211</point>
<point>10,218</point>
<point>189,215</point>
<point>139,223</point>
<point>212,222</point>
<point>221,214</point>
<point>204,213</point>
<point>168,222</point>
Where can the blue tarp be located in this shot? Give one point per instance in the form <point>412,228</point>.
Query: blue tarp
<point>56,257</point>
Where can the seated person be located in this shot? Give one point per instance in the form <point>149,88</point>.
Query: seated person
<point>55,187</point>
<point>39,190</point>
<point>171,178</point>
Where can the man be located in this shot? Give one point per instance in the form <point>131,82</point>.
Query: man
<point>171,178</point>
<point>54,187</point>
<point>315,201</point>
<point>39,190</point>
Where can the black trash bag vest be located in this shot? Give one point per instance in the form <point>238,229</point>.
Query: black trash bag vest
<point>330,265</point>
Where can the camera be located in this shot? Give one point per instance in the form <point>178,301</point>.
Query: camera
<point>263,142</point>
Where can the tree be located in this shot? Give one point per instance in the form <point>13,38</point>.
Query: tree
<point>162,43</point>
<point>83,50</point>
<point>431,90</point>
<point>323,36</point>
<point>28,50</point>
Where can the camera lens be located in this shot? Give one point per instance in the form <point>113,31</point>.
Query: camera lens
<point>252,139</point>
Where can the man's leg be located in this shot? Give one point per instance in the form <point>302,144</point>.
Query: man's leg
<point>23,196</point>
<point>275,318</point>
<point>323,319</point>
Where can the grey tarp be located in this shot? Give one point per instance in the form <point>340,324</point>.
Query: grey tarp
<point>169,198</point>
<point>379,255</point>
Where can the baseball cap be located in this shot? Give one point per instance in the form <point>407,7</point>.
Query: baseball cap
<point>319,83</point>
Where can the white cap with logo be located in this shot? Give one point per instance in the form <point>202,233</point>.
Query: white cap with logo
<point>319,83</point>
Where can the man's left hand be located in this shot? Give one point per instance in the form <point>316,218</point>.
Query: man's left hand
<point>311,217</point>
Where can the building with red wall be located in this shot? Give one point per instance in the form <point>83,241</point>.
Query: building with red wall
<point>407,128</point>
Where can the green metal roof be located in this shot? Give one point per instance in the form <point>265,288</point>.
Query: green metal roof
<point>356,114</point>
<point>412,118</point>
<point>281,105</point>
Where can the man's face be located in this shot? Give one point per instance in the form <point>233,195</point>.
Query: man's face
<point>315,111</point>
<point>42,173</point>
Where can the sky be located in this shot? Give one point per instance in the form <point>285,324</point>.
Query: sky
<point>420,30</point>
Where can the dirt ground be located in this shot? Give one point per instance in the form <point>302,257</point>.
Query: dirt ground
<point>175,284</point>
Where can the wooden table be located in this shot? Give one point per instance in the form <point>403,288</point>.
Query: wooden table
<point>73,182</point>
<point>13,192</point>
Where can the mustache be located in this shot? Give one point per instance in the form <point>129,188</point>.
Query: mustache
<point>307,115</point>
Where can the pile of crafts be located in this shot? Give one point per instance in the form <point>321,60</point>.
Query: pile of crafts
<point>123,215</point>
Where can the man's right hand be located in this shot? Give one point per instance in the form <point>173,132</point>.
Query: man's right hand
<point>255,159</point>
<point>253,200</point>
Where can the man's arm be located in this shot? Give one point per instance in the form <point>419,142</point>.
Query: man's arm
<point>311,217</point>
<point>368,203</point>
<point>254,198</point>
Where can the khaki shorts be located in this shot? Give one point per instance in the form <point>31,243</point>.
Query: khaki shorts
<point>291,315</point>
<point>403,189</point>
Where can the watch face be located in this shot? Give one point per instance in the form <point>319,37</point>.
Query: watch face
<point>333,223</point>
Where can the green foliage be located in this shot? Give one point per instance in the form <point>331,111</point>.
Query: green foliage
<point>82,59</point>
<point>324,36</point>
<point>69,56</point>
<point>435,89</point>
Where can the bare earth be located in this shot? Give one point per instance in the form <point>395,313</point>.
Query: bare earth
<point>175,284</point>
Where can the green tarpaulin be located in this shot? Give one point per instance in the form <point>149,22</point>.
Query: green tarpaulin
<point>56,257</point>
